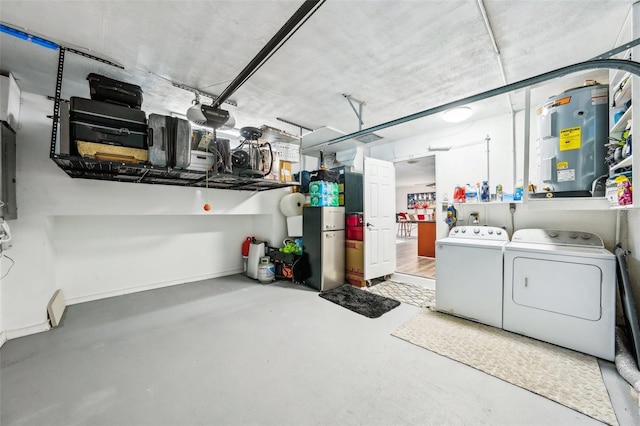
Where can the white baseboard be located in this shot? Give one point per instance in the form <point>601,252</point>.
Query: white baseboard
<point>38,328</point>
<point>21,332</point>
<point>123,291</point>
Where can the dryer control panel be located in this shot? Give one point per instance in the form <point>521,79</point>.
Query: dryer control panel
<point>480,233</point>
<point>558,237</point>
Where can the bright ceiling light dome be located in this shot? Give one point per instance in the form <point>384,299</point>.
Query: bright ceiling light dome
<point>457,114</point>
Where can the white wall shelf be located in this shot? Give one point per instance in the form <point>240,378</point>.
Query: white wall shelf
<point>621,124</point>
<point>624,93</point>
<point>627,162</point>
<point>577,203</point>
<point>629,206</point>
<point>623,89</point>
<point>484,203</point>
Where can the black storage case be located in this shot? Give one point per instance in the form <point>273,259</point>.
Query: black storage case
<point>106,89</point>
<point>169,141</point>
<point>353,189</point>
<point>101,122</point>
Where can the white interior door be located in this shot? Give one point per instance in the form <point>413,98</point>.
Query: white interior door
<point>379,218</point>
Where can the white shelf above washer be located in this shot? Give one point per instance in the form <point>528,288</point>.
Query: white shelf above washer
<point>574,203</point>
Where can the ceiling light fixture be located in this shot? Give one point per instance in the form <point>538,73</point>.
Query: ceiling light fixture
<point>457,114</point>
<point>369,137</point>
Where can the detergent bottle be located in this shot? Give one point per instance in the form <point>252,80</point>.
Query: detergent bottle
<point>517,195</point>
<point>484,191</point>
<point>458,194</point>
<point>471,193</point>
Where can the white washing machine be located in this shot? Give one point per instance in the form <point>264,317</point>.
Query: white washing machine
<point>560,287</point>
<point>469,273</point>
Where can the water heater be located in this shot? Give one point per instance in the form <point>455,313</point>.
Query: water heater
<point>573,129</point>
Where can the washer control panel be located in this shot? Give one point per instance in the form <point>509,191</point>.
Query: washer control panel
<point>558,237</point>
<point>479,232</point>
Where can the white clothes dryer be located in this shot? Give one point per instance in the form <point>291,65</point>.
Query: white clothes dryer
<point>469,273</point>
<point>560,287</point>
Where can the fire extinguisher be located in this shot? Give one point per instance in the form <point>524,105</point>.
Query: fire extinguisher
<point>245,246</point>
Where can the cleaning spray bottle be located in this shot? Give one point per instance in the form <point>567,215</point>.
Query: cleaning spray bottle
<point>471,193</point>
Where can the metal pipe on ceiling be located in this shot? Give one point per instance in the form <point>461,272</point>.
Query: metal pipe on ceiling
<point>485,17</point>
<point>630,66</point>
<point>308,8</point>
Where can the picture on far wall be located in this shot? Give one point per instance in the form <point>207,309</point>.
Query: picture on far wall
<point>420,200</point>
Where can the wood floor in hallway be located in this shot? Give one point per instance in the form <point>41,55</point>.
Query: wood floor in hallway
<point>408,261</point>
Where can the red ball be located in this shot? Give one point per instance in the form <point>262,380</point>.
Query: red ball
<point>207,207</point>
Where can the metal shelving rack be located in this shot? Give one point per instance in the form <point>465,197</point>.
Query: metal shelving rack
<point>85,168</point>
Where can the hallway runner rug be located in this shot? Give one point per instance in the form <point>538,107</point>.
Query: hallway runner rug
<point>570,378</point>
<point>360,301</point>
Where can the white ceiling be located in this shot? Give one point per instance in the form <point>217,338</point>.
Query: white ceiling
<point>399,57</point>
<point>418,172</point>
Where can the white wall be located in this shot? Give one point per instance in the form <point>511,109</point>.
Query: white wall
<point>632,243</point>
<point>468,164</point>
<point>600,222</point>
<point>96,239</point>
<point>461,165</point>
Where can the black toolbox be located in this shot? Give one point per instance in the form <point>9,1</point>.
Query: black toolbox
<point>101,122</point>
<point>107,89</point>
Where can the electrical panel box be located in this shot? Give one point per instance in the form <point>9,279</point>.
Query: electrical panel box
<point>9,101</point>
<point>8,172</point>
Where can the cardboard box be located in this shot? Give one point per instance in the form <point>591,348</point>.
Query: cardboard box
<point>285,171</point>
<point>355,280</point>
<point>354,257</point>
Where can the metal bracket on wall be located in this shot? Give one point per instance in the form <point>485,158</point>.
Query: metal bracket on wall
<point>199,92</point>
<point>358,111</point>
<point>367,137</point>
<point>618,49</point>
<point>56,99</point>
<point>301,127</point>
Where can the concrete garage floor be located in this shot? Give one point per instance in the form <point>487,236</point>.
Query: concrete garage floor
<point>230,351</point>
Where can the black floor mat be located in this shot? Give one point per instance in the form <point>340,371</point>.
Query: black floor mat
<point>360,301</point>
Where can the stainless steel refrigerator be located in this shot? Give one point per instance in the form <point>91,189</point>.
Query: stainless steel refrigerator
<point>323,237</point>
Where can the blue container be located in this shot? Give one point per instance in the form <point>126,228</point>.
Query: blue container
<point>517,196</point>
<point>484,191</point>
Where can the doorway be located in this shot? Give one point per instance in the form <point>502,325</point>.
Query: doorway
<point>415,216</point>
